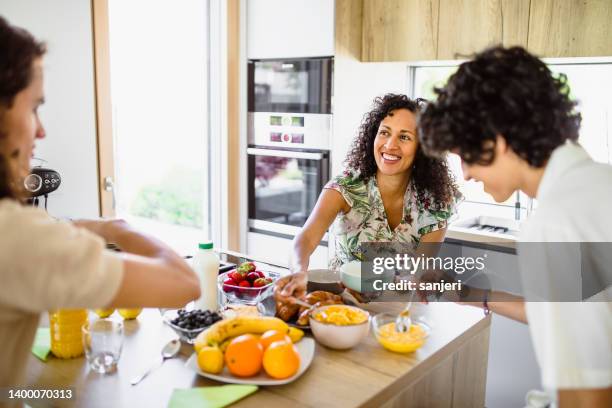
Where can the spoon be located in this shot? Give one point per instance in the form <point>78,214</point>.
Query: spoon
<point>170,350</point>
<point>403,322</point>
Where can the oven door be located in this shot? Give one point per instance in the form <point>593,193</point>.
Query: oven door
<point>290,86</point>
<point>284,186</point>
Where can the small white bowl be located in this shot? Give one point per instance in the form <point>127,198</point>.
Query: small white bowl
<point>336,336</point>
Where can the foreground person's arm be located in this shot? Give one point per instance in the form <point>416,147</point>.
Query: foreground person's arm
<point>153,274</point>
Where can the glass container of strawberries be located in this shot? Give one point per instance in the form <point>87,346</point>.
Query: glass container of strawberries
<point>247,284</point>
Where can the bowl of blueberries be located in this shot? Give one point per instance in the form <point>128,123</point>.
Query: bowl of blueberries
<point>189,323</point>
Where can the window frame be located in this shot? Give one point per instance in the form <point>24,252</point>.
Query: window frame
<point>223,17</point>
<point>526,204</point>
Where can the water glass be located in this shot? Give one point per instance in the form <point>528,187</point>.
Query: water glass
<point>102,341</point>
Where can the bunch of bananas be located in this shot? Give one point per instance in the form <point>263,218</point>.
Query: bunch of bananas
<point>219,334</point>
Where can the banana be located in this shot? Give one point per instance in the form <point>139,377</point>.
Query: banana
<point>235,326</point>
<point>224,345</point>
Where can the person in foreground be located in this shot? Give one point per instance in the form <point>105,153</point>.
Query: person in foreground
<point>515,128</point>
<point>47,264</point>
<point>390,192</point>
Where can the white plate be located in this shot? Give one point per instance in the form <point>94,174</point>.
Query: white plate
<point>306,348</point>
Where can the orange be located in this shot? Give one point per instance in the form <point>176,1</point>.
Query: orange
<point>281,360</point>
<point>271,336</point>
<point>243,356</point>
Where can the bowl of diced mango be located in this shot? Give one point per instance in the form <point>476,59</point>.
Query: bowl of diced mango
<point>339,326</point>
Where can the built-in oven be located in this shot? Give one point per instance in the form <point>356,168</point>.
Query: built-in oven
<point>289,135</point>
<point>284,186</point>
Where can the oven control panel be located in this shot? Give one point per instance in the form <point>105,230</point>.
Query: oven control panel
<point>281,122</point>
<point>311,131</point>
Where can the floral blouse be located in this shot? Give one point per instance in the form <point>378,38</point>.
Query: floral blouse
<point>367,219</point>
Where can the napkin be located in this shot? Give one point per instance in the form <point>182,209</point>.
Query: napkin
<point>210,397</point>
<point>42,343</point>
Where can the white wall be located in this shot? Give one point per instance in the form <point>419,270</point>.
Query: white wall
<point>69,112</point>
<point>354,90</point>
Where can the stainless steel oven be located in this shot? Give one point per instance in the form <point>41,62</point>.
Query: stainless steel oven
<point>283,188</point>
<point>289,134</point>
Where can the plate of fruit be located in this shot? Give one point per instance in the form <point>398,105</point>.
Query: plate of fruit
<point>246,284</point>
<point>259,350</point>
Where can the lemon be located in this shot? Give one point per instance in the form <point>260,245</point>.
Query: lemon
<point>129,314</point>
<point>210,360</point>
<point>103,313</point>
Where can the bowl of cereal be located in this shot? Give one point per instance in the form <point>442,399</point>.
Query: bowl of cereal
<point>339,326</point>
<point>383,326</point>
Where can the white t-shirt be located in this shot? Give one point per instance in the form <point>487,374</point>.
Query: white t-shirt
<point>46,264</point>
<point>572,341</point>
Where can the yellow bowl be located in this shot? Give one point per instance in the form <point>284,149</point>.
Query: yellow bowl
<point>383,326</point>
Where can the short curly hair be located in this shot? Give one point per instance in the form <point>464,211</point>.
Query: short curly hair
<point>501,91</point>
<point>430,175</point>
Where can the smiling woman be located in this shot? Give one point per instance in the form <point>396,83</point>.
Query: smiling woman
<point>389,192</point>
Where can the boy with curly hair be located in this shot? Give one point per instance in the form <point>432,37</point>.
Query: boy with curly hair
<point>515,128</point>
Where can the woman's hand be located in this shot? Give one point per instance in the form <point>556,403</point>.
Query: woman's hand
<point>291,286</point>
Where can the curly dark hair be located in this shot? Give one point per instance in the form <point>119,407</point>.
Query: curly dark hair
<point>429,174</point>
<point>502,91</point>
<point>18,50</point>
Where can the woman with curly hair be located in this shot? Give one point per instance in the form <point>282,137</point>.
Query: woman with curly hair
<point>515,127</point>
<point>389,192</point>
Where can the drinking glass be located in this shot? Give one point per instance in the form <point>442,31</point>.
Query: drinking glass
<point>102,341</point>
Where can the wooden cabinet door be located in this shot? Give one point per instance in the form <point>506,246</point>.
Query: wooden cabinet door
<point>469,26</point>
<point>570,28</point>
<point>399,30</point>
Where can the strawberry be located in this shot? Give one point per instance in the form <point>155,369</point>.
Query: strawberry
<point>247,267</point>
<point>237,275</point>
<point>227,285</point>
<point>245,284</point>
<point>261,274</point>
<point>259,282</point>
<point>252,276</point>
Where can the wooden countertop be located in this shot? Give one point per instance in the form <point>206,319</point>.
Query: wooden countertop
<point>366,375</point>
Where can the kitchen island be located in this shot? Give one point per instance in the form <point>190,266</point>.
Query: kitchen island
<point>448,371</point>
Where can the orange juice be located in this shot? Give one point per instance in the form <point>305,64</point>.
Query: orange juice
<point>65,326</point>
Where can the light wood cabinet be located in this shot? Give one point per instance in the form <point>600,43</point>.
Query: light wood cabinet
<point>400,30</point>
<point>570,28</point>
<point>469,26</point>
<point>413,30</point>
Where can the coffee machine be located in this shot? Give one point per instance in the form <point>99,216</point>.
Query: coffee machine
<point>40,183</point>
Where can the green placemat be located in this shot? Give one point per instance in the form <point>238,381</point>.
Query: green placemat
<point>210,397</point>
<point>42,343</point>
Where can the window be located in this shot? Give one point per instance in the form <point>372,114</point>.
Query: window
<point>588,79</point>
<point>159,93</point>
